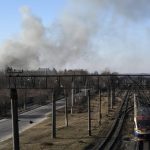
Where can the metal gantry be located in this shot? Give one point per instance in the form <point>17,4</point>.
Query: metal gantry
<point>110,83</point>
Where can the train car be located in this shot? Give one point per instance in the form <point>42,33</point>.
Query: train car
<point>141,119</point>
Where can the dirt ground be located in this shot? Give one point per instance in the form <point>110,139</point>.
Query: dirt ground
<point>74,137</point>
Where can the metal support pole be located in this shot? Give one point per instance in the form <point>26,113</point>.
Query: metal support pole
<point>66,110</point>
<point>99,121</point>
<point>72,97</point>
<point>14,113</point>
<point>85,92</point>
<point>53,114</point>
<point>111,98</point>
<point>114,95</point>
<point>25,98</point>
<point>89,113</point>
<point>108,98</point>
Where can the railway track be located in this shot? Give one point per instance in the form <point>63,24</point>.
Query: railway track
<point>111,139</point>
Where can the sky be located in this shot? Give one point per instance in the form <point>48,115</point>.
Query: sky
<point>47,10</point>
<point>73,34</point>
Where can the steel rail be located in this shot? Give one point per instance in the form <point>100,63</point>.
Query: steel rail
<point>113,134</point>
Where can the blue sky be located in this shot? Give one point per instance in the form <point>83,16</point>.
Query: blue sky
<point>108,31</point>
<point>47,10</point>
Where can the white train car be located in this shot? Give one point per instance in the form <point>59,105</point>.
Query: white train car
<point>141,119</point>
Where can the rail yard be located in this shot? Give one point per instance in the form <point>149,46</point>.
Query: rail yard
<point>86,111</point>
<point>74,75</point>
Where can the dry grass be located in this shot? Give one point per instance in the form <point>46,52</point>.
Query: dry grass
<point>74,137</point>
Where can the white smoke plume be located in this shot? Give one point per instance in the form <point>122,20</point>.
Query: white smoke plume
<point>63,44</point>
<point>21,51</point>
<point>131,9</point>
<point>87,35</point>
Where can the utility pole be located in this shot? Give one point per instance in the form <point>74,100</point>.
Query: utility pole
<point>99,102</point>
<point>89,113</point>
<point>85,87</point>
<point>14,113</point>
<point>66,108</point>
<point>111,98</point>
<point>53,114</point>
<point>108,97</point>
<point>100,95</point>
<point>113,90</point>
<point>114,94</point>
<point>72,95</point>
<point>25,98</point>
<point>14,107</point>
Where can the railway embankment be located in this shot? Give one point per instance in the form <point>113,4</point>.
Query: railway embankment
<point>75,136</point>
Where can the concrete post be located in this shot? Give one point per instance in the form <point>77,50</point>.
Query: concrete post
<point>114,95</point>
<point>108,98</point>
<point>66,110</point>
<point>111,98</point>
<point>89,113</point>
<point>99,118</point>
<point>53,114</point>
<point>14,113</point>
<point>85,86</point>
<point>72,97</point>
